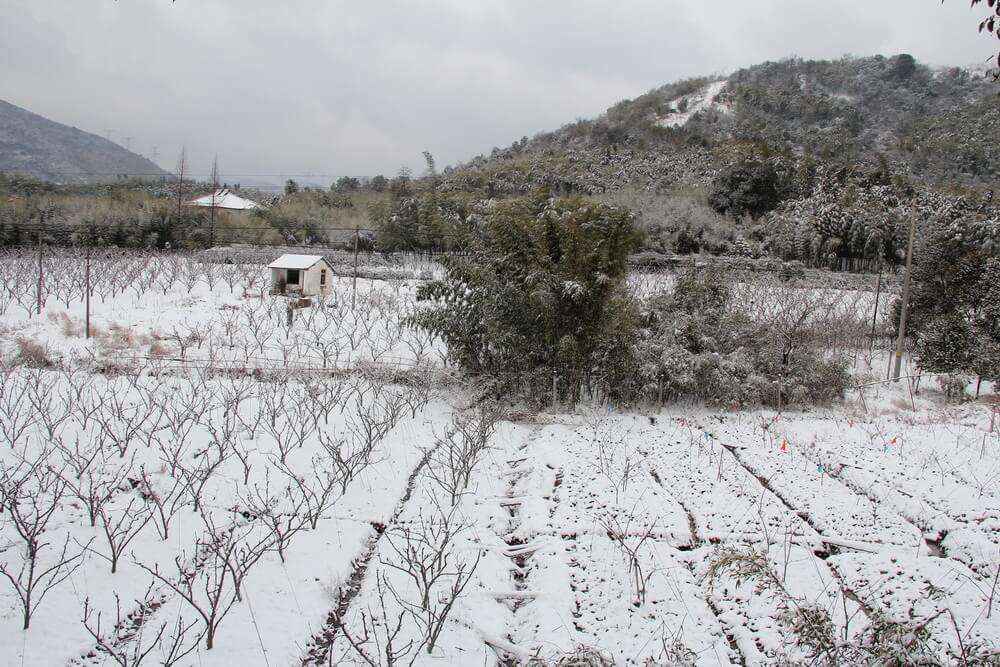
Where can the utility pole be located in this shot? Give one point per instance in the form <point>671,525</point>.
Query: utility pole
<point>878,293</point>
<point>354,279</point>
<point>181,166</point>
<point>87,318</point>
<point>128,143</point>
<point>38,293</point>
<point>215,191</point>
<point>906,302</point>
<point>156,151</point>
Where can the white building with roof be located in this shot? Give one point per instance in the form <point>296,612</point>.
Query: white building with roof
<point>308,275</point>
<point>225,200</point>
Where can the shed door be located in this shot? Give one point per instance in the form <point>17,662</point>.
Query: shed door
<point>292,277</point>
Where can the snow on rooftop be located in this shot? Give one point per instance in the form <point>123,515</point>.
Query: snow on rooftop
<point>294,261</point>
<point>225,199</point>
<point>703,99</point>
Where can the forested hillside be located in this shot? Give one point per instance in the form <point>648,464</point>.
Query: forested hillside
<point>819,161</point>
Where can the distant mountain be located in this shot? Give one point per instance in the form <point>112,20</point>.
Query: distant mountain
<point>31,145</point>
<point>876,115</point>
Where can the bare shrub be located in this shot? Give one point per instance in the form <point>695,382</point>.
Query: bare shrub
<point>33,354</point>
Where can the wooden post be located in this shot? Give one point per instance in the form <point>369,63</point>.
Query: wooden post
<point>87,298</point>
<point>901,336</point>
<point>555,389</point>
<point>354,279</point>
<point>878,292</point>
<point>38,292</point>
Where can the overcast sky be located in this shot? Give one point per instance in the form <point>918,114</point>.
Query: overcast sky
<point>357,88</point>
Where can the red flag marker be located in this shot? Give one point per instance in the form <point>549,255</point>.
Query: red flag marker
<point>683,422</point>
<point>893,441</point>
<point>850,422</point>
<point>784,445</point>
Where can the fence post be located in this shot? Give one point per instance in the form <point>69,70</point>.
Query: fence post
<point>555,389</point>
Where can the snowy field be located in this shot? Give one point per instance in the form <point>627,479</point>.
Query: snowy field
<point>203,483</point>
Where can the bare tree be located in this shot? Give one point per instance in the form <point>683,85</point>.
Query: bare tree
<point>178,644</point>
<point>122,527</point>
<point>164,497</point>
<point>318,490</point>
<point>124,642</point>
<point>291,430</point>
<point>229,318</point>
<point>31,493</point>
<point>111,642</point>
<point>15,406</point>
<point>424,551</point>
<point>349,457</point>
<point>371,422</point>
<point>281,513</point>
<point>226,555</point>
<point>630,541</point>
<point>196,475</point>
<point>127,421</point>
<point>91,485</point>
<point>379,642</point>
<point>47,404</point>
<point>453,458</point>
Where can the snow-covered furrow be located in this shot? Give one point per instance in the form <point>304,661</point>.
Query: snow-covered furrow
<point>701,471</point>
<point>725,500</point>
<point>422,517</point>
<point>955,516</point>
<point>318,647</point>
<point>952,606</point>
<point>602,567</point>
<point>829,506</point>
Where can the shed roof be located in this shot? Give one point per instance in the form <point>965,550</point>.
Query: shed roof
<point>225,199</point>
<point>295,261</point>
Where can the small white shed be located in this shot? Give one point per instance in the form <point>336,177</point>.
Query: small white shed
<point>307,275</point>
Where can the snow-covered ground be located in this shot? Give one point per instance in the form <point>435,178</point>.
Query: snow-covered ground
<point>682,109</point>
<point>197,432</point>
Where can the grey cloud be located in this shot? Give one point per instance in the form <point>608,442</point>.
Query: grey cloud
<point>350,88</point>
